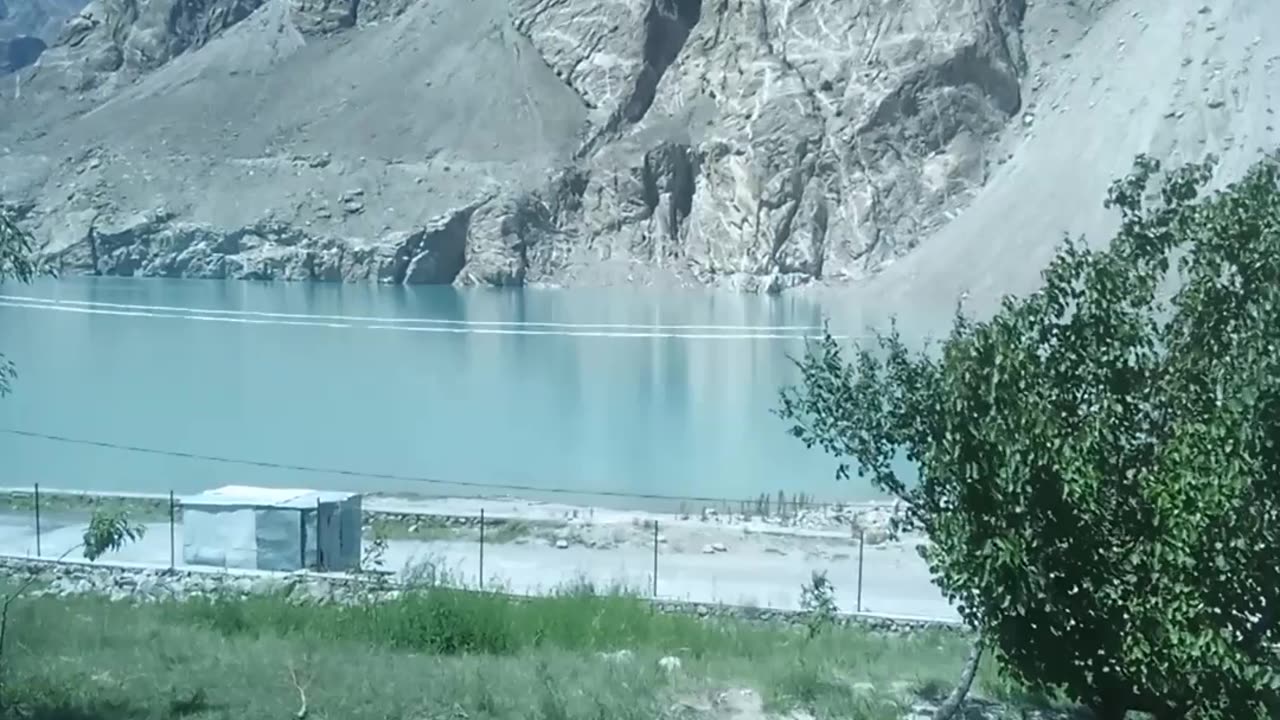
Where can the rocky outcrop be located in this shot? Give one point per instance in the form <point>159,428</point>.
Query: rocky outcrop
<point>160,245</point>
<point>755,144</point>
<point>37,19</point>
<point>19,52</point>
<point>768,144</point>
<point>28,27</point>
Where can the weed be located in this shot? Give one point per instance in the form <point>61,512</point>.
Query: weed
<point>817,598</point>
<point>437,652</point>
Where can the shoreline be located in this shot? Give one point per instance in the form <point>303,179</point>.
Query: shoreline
<point>392,510</point>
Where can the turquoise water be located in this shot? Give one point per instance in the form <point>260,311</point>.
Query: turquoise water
<point>618,391</point>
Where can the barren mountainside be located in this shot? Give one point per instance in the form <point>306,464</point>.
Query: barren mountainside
<point>913,149</point>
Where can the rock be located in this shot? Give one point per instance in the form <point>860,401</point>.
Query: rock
<point>719,547</point>
<point>875,536</point>
<point>318,591</point>
<point>268,586</point>
<point>19,52</point>
<point>740,704</point>
<point>616,656</point>
<point>708,549</point>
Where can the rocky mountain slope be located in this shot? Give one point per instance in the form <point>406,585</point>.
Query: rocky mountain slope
<point>913,148</point>
<point>27,27</point>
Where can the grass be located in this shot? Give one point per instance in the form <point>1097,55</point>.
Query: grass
<point>441,653</point>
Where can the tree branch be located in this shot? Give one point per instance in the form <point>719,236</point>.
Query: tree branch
<point>302,694</point>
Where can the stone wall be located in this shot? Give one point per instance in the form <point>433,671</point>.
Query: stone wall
<point>150,584</point>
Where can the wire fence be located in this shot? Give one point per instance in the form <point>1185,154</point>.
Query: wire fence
<point>692,559</point>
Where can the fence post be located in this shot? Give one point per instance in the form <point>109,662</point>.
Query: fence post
<point>319,543</point>
<point>481,548</point>
<point>655,557</point>
<point>172,542</point>
<point>862,543</point>
<point>37,503</point>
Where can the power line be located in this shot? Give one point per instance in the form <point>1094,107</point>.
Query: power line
<point>365,474</point>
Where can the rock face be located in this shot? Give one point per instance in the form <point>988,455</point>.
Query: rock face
<point>27,27</point>
<point>759,144</point>
<point>19,52</point>
<point>36,19</point>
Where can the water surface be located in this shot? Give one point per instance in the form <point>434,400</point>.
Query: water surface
<point>621,391</point>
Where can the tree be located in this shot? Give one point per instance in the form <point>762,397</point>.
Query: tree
<point>1098,463</point>
<point>16,246</point>
<point>107,531</point>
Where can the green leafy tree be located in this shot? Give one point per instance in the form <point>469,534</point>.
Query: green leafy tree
<point>106,532</point>
<point>16,248</point>
<point>1098,463</point>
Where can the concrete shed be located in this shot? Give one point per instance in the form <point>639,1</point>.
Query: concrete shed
<point>259,528</point>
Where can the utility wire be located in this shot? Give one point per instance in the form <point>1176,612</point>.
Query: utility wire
<point>364,474</point>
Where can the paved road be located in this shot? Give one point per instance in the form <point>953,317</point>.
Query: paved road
<point>895,580</point>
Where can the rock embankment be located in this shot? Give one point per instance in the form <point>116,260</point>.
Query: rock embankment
<point>141,584</point>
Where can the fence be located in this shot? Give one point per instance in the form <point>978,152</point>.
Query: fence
<point>702,558</point>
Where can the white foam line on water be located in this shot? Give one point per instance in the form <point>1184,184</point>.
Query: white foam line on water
<point>402,328</point>
<point>396,320</point>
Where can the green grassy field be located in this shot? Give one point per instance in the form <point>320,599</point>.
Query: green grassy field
<point>438,653</point>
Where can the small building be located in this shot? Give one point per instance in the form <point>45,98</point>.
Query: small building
<point>259,528</point>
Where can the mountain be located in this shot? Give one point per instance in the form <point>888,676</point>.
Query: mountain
<point>27,27</point>
<point>907,150</point>
<point>35,18</point>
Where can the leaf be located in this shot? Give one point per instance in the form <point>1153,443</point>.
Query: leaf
<point>1096,465</point>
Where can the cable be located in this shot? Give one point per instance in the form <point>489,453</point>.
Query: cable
<point>369,475</point>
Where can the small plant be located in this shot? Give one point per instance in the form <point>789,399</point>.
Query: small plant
<point>108,532</point>
<point>374,558</point>
<point>817,598</point>
<point>428,572</point>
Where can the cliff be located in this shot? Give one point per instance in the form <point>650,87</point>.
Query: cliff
<point>914,146</point>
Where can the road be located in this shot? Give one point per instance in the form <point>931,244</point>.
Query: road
<point>894,579</point>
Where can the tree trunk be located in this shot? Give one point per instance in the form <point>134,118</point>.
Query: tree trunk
<point>951,706</point>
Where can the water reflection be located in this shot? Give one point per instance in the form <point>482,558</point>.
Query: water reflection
<point>531,387</point>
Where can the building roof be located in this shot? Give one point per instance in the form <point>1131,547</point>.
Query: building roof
<point>250,496</point>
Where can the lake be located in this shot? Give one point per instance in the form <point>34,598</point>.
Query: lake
<point>432,390</point>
